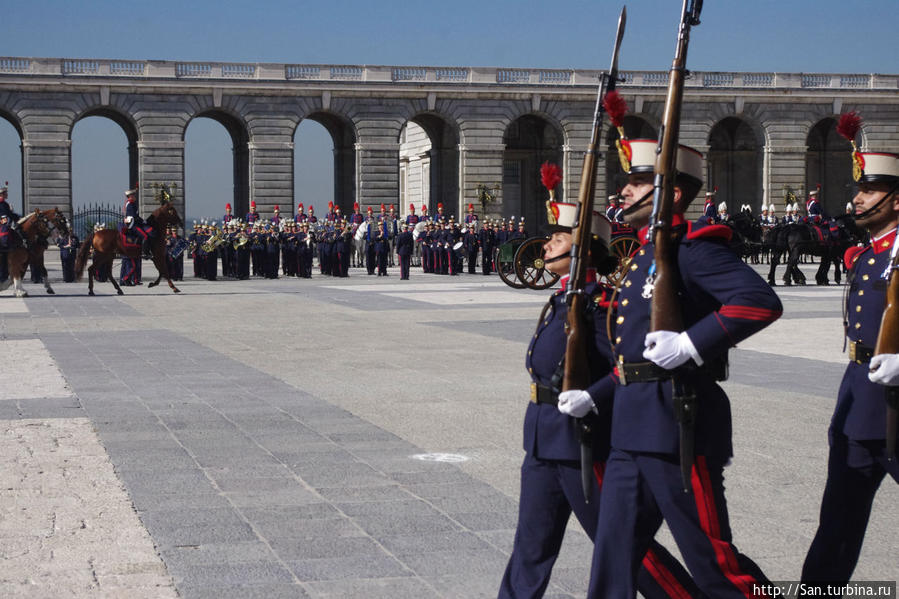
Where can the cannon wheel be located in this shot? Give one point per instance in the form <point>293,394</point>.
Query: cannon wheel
<point>529,267</point>
<point>622,247</point>
<point>504,260</point>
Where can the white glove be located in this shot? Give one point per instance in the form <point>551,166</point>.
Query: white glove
<point>669,349</point>
<point>576,403</point>
<point>885,369</point>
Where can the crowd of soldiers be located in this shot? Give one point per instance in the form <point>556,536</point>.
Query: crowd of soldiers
<point>289,246</point>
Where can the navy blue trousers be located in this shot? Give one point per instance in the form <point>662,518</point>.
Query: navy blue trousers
<point>639,491</point>
<point>550,492</point>
<point>855,470</point>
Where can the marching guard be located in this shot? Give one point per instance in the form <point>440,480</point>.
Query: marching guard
<point>551,483</point>
<point>724,301</point>
<point>859,459</point>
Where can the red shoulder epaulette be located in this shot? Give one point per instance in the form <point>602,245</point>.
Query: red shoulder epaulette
<point>720,232</point>
<point>852,254</point>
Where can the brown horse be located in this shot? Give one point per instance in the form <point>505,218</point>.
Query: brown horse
<point>36,228</point>
<point>108,243</point>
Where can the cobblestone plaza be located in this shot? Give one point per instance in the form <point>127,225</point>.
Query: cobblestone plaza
<point>342,438</point>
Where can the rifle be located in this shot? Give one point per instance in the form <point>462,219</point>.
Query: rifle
<point>665,311</point>
<point>888,343</point>
<point>577,369</point>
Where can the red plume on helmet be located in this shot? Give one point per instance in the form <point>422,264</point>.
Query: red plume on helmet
<point>616,108</point>
<point>550,175</point>
<point>849,124</point>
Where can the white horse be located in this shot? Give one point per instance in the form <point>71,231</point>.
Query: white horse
<point>358,254</point>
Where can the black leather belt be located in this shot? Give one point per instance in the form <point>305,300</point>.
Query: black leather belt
<point>645,372</point>
<point>543,394</point>
<point>641,372</point>
<point>860,354</point>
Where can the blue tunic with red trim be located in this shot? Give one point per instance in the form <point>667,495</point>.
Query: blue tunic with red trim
<point>549,434</point>
<point>861,407</point>
<point>723,302</point>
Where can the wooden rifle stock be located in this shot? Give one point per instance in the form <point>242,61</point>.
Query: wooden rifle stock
<point>665,308</point>
<point>888,343</point>
<point>576,374</point>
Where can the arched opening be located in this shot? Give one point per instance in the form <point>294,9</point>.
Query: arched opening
<point>313,167</point>
<point>322,179</point>
<point>530,141</point>
<point>634,128</point>
<point>827,162</point>
<point>11,159</point>
<point>429,165</point>
<point>104,164</point>
<point>208,164</point>
<point>734,165</point>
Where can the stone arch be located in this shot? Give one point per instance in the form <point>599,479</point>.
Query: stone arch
<point>530,140</point>
<point>129,127</point>
<point>238,131</point>
<point>734,164</point>
<point>15,186</point>
<point>635,127</point>
<point>344,136</point>
<point>827,162</point>
<point>429,163</point>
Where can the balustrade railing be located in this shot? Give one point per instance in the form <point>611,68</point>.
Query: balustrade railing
<point>573,78</point>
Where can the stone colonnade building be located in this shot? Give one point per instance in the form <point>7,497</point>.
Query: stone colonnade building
<point>434,134</point>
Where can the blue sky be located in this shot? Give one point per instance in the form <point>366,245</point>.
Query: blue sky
<point>735,35</point>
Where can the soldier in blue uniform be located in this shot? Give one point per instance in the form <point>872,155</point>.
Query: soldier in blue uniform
<point>723,302</point>
<point>133,221</point>
<point>709,212</point>
<point>404,247</point>
<point>252,216</point>
<point>813,207</point>
<point>12,225</point>
<point>227,217</point>
<point>487,241</point>
<point>68,248</point>
<point>551,487</point>
<point>858,459</point>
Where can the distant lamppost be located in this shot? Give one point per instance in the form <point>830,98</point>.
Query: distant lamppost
<point>486,195</point>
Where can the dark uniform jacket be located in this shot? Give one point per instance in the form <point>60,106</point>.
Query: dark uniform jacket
<point>549,434</point>
<point>861,409</point>
<point>723,301</point>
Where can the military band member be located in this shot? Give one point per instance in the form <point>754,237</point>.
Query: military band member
<point>424,213</point>
<point>356,218</point>
<point>313,220</point>
<point>411,218</point>
<point>404,248</point>
<point>440,217</point>
<point>723,302</point>
<point>858,462</point>
<point>301,215</point>
<point>276,217</point>
<point>551,487</point>
<point>471,219</point>
<point>471,244</point>
<point>252,216</point>
<point>226,218</point>
<point>487,241</point>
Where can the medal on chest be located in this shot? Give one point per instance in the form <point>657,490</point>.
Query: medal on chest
<point>650,283</point>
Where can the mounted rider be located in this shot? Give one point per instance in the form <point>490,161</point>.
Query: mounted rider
<point>134,224</point>
<point>813,207</point>
<point>9,226</point>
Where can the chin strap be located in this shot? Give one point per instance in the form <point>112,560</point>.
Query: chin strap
<point>876,207</point>
<point>633,207</point>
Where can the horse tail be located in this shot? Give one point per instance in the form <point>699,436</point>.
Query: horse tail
<point>83,253</point>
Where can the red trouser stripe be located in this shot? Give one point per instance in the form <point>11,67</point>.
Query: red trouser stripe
<point>664,577</point>
<point>708,519</point>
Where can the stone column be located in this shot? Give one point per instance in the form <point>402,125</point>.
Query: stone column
<point>377,174</point>
<point>161,161</point>
<point>482,163</point>
<point>784,165</point>
<point>271,176</point>
<point>47,181</point>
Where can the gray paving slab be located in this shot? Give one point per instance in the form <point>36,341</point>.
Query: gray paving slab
<point>276,460</point>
